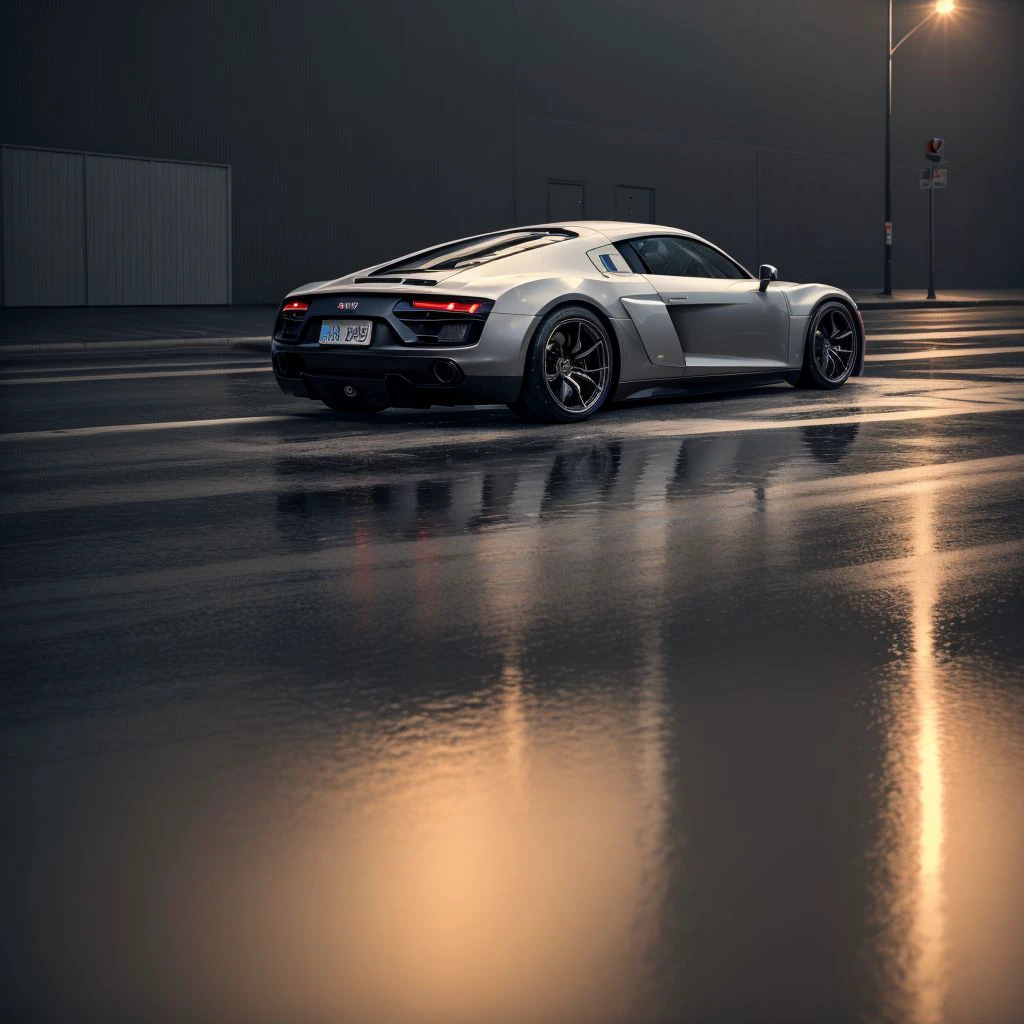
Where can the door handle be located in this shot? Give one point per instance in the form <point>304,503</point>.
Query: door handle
<point>677,298</point>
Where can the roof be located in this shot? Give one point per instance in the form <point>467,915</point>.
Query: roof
<point>616,229</point>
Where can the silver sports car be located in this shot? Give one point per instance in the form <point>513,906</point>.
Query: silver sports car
<point>558,319</point>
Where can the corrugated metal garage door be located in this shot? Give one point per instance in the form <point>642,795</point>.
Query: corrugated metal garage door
<point>86,229</point>
<point>43,228</point>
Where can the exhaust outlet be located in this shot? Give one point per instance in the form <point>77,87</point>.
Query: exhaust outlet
<point>447,372</point>
<point>287,365</point>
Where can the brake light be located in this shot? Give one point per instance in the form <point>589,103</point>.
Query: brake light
<point>447,307</point>
<point>296,307</point>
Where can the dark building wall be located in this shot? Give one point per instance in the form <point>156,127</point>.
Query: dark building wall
<point>359,130</point>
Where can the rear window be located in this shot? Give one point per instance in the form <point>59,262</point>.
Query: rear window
<point>473,251</point>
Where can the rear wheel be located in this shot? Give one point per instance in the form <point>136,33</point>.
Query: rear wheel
<point>569,368</point>
<point>831,350</point>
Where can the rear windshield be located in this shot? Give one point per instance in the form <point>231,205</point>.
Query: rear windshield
<point>473,251</point>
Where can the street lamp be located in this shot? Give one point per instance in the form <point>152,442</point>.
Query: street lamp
<point>943,7</point>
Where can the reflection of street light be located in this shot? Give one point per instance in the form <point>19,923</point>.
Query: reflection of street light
<point>941,7</point>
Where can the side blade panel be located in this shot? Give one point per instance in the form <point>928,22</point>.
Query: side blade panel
<point>657,332</point>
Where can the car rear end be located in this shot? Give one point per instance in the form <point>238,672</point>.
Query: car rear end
<point>421,330</point>
<point>375,347</point>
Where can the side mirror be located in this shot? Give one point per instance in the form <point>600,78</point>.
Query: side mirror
<point>767,273</point>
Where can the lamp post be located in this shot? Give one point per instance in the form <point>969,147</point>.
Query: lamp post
<point>943,7</point>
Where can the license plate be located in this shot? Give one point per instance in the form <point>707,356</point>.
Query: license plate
<point>346,332</point>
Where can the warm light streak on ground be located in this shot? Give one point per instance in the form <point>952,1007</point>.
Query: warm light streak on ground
<point>927,982</point>
<point>914,840</point>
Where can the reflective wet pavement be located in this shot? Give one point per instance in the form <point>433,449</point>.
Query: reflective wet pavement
<point>708,710</point>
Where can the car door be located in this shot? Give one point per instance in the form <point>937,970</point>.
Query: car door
<point>724,322</point>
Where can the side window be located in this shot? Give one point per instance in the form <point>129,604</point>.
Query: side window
<point>630,255</point>
<point>667,255</point>
<point>719,264</point>
<point>674,256</point>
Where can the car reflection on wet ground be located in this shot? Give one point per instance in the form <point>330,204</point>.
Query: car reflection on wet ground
<point>712,711</point>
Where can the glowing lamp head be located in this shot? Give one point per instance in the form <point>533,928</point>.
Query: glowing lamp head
<point>945,6</point>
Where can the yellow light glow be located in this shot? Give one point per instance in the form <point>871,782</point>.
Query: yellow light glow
<point>929,923</point>
<point>945,6</point>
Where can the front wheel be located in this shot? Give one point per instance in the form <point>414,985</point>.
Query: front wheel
<point>832,347</point>
<point>569,368</point>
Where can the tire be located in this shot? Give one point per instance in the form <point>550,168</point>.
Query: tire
<point>831,348</point>
<point>570,368</point>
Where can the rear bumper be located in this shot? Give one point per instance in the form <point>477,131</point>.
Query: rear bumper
<point>412,381</point>
<point>391,373</point>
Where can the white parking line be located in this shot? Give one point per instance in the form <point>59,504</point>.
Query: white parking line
<point>952,335</point>
<point>140,364</point>
<point>138,376</point>
<point>940,353</point>
<point>136,428</point>
<point>675,426</point>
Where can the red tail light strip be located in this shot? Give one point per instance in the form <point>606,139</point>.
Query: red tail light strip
<point>448,307</point>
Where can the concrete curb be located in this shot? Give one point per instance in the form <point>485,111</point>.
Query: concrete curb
<point>255,343</point>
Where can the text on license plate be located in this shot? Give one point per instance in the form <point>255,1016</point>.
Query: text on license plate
<point>345,332</point>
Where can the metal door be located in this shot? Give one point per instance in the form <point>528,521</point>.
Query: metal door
<point>634,204</point>
<point>86,229</point>
<point>565,200</point>
<point>159,232</point>
<point>43,228</point>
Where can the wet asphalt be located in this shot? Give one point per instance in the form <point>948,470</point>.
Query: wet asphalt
<point>708,710</point>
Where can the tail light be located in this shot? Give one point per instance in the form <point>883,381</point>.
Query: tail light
<point>444,321</point>
<point>290,320</point>
<point>448,307</point>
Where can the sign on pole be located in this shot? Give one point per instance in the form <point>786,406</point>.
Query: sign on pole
<point>931,179</point>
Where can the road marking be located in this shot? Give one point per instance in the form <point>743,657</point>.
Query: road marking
<point>30,602</point>
<point>989,371</point>
<point>134,428</point>
<point>675,427</point>
<point>854,488</point>
<point>207,371</point>
<point>940,353</point>
<point>138,376</point>
<point>936,335</point>
<point>103,367</point>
